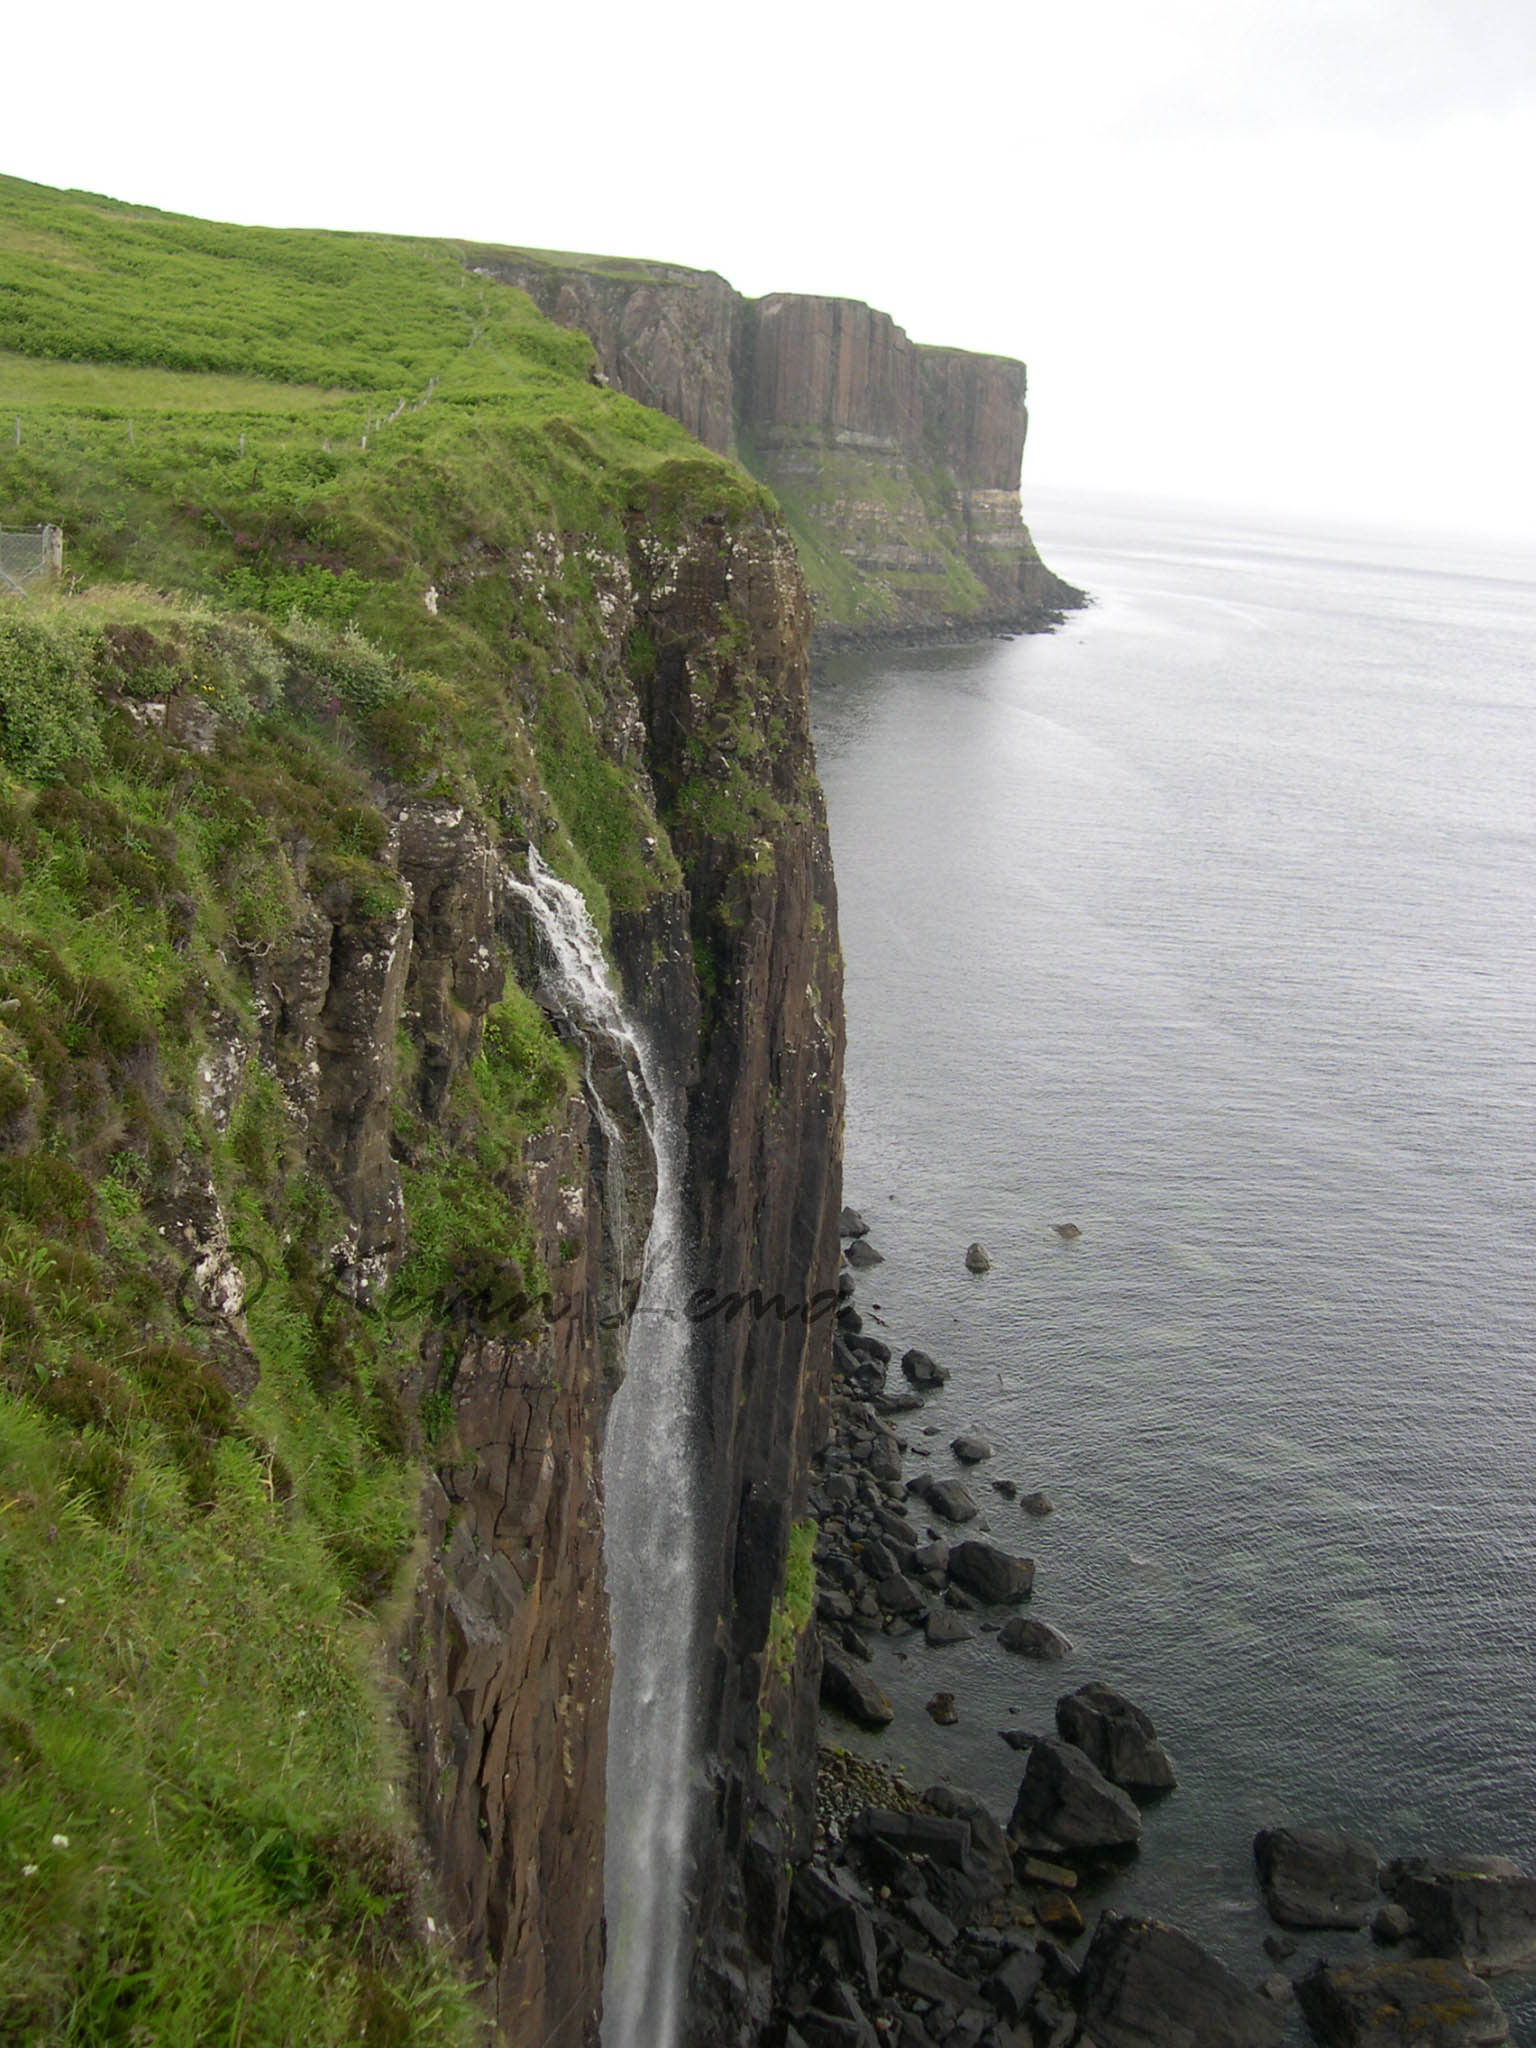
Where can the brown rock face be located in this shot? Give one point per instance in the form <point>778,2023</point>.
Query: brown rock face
<point>900,462</point>
<point>508,1668</point>
<point>834,366</point>
<point>737,980</point>
<point>974,407</point>
<point>664,335</point>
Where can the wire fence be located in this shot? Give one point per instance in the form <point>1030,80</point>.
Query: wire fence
<point>28,555</point>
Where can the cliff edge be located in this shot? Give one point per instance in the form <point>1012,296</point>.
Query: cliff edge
<point>897,466</point>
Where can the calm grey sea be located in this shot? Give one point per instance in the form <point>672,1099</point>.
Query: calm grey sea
<point>1208,924</point>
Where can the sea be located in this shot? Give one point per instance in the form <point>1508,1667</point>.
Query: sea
<point>1207,925</point>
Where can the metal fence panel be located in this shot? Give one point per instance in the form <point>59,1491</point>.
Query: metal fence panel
<point>29,554</point>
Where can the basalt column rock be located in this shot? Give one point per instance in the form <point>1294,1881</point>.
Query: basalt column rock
<point>897,465</point>
<point>507,1662</point>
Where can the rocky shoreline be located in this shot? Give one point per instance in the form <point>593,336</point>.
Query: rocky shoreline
<point>925,1920</point>
<point>832,639</point>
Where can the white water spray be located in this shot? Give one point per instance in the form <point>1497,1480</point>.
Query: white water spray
<point>649,1541</point>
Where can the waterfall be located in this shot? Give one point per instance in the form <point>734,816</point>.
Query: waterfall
<point>650,1545</point>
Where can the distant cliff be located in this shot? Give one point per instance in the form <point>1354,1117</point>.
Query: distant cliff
<point>897,466</point>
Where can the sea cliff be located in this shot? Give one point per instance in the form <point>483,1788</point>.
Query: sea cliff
<point>897,466</point>
<point>322,1213</point>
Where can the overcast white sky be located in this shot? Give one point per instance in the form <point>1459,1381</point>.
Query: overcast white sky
<point>1278,253</point>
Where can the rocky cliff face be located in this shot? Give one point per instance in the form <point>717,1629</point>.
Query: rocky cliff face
<point>737,979</point>
<point>897,466</point>
<point>725,706</point>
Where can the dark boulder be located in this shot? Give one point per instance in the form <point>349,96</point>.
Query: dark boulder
<point>854,1693</point>
<point>942,1838</point>
<point>922,1370</point>
<point>1145,1985</point>
<point>976,1260</point>
<point>861,1254</point>
<point>898,1595</point>
<point>851,1224</point>
<point>1036,1504</point>
<point>989,1845</point>
<point>1390,1925</point>
<point>925,1978</point>
<point>1488,1919</point>
<point>1431,2003</point>
<point>991,1574</point>
<point>1014,1983</point>
<point>1115,1736</point>
<point>951,1500</point>
<point>1316,1877</point>
<point>1064,1804</point>
<point>870,1347</point>
<point>942,1710</point>
<point>1027,1638</point>
<point>971,1450</point>
<point>942,1626</point>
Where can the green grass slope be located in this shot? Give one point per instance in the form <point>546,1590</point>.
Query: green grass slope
<point>269,452</point>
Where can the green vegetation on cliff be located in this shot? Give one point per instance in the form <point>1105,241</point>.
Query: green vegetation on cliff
<point>345,528</point>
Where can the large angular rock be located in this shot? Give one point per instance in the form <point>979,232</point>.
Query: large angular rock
<point>991,1574</point>
<point>1487,1918</point>
<point>989,1845</point>
<point>1065,1804</point>
<point>1145,1985</point>
<point>1027,1638</point>
<point>947,1497</point>
<point>1116,1737</point>
<point>922,1370</point>
<point>1426,2004</point>
<point>944,1839</point>
<point>854,1692</point>
<point>1316,1877</point>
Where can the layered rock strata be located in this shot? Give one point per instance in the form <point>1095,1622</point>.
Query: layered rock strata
<point>897,465</point>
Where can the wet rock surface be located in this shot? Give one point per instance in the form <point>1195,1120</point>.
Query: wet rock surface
<point>1421,2004</point>
<point>1145,1985</point>
<point>1316,1877</point>
<point>1064,1804</point>
<point>1117,1737</point>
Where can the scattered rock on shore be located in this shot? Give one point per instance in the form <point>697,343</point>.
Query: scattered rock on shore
<point>1479,1908</point>
<point>1316,1877</point>
<point>971,1450</point>
<point>861,1253</point>
<point>1426,2004</point>
<point>854,1693</point>
<point>1029,1638</point>
<point>922,1370</point>
<point>991,1574</point>
<point>947,1497</point>
<point>1143,1982</point>
<point>1065,1804</point>
<point>976,1260</point>
<point>1115,1736</point>
<point>1036,1504</point>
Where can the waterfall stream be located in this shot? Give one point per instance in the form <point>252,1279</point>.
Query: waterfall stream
<point>649,1527</point>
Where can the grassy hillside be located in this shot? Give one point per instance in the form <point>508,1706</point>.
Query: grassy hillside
<point>351,502</point>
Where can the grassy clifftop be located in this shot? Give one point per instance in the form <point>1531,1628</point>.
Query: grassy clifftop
<point>340,520</point>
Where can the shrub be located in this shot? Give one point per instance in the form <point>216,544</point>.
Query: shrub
<point>48,710</point>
